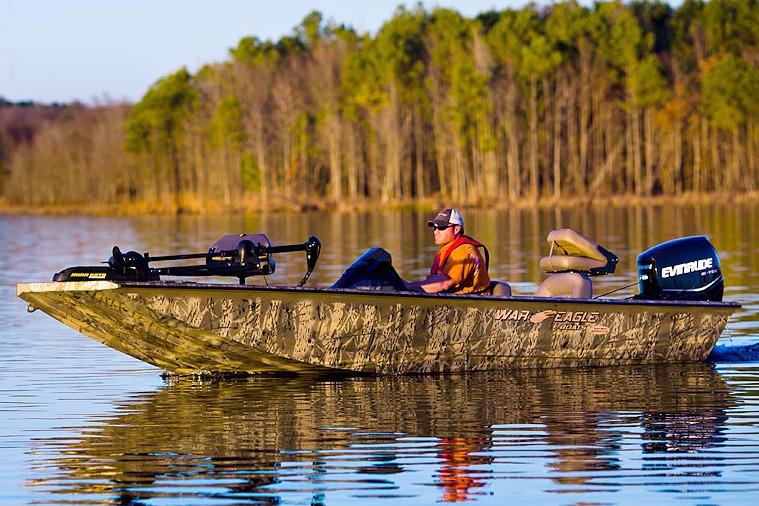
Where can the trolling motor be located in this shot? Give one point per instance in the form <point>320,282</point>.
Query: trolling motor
<point>239,256</point>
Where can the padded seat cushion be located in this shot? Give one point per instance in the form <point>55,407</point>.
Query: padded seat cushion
<point>566,284</point>
<point>572,251</point>
<point>559,263</point>
<point>500,289</point>
<point>572,243</point>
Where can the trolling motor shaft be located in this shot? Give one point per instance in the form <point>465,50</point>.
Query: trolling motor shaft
<point>233,255</point>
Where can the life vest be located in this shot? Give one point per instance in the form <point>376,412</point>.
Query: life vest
<point>442,256</point>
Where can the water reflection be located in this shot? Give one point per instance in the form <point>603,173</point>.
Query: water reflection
<point>275,438</point>
<point>462,460</point>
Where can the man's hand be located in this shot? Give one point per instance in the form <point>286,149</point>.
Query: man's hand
<point>433,284</point>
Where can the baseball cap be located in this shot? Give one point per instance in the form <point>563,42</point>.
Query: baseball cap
<point>447,217</point>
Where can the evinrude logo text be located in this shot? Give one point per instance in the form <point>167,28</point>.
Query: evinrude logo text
<point>695,266</point>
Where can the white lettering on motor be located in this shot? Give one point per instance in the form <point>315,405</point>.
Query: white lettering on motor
<point>687,267</point>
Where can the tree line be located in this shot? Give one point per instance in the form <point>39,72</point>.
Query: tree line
<point>564,101</point>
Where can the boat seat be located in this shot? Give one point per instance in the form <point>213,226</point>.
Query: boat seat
<point>500,289</point>
<point>573,252</point>
<point>566,284</point>
<point>571,260</point>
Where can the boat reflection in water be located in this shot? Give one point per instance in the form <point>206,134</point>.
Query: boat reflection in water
<point>450,438</point>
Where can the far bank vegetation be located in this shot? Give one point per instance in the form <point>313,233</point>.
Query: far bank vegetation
<point>562,102</point>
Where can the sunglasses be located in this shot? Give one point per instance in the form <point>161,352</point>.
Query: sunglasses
<point>440,227</point>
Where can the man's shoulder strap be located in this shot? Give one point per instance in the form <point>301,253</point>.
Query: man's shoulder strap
<point>478,244</point>
<point>463,239</point>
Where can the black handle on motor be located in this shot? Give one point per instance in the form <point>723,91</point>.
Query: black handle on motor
<point>313,248</point>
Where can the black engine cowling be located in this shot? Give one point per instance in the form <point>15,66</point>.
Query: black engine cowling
<point>684,269</point>
<point>371,271</point>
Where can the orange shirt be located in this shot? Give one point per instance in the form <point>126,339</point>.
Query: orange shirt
<point>466,267</point>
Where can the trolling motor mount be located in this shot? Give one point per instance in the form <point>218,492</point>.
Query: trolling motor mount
<point>234,255</point>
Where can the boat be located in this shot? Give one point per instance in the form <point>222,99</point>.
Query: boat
<point>367,323</point>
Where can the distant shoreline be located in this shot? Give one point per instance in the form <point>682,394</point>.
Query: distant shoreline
<point>366,205</point>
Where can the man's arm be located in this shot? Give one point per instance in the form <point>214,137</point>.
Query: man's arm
<point>436,284</point>
<point>433,284</point>
<point>461,265</point>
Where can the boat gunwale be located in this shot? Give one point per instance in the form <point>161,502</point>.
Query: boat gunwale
<point>192,285</point>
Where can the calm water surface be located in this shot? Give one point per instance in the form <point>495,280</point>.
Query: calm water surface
<point>83,424</point>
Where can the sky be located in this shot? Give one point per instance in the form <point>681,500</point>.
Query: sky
<point>101,50</point>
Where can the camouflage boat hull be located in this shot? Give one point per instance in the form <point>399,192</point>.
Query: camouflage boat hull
<point>190,328</point>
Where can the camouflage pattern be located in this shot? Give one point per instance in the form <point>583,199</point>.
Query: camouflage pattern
<point>189,328</point>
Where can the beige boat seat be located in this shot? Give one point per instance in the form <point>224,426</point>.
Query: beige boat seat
<point>566,284</point>
<point>500,289</point>
<point>572,259</point>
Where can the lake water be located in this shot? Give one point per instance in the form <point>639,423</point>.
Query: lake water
<point>83,424</point>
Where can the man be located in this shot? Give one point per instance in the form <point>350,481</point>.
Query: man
<point>458,266</point>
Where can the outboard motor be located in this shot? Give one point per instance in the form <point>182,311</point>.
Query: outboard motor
<point>371,271</point>
<point>683,269</point>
